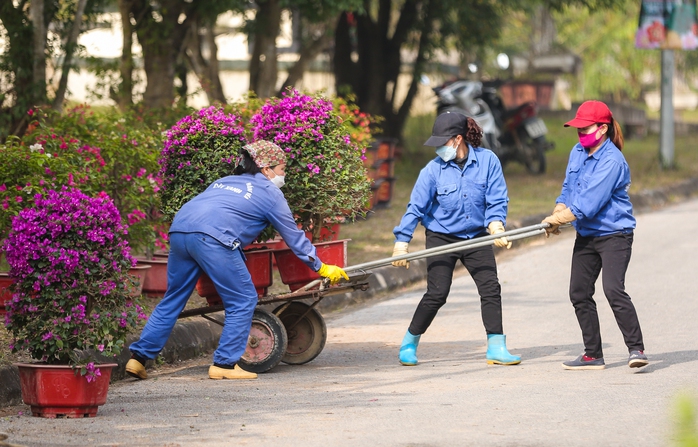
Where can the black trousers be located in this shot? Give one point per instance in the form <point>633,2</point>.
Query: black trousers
<point>590,255</point>
<point>480,263</point>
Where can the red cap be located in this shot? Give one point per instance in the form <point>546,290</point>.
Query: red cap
<point>591,112</point>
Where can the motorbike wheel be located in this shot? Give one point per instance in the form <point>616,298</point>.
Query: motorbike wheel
<point>535,156</point>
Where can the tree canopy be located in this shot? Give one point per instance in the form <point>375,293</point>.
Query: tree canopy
<point>375,45</point>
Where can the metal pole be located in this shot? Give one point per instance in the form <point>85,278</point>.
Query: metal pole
<point>666,119</point>
<point>511,235</point>
<point>450,248</point>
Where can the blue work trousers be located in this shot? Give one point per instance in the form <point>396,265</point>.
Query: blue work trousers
<point>190,254</point>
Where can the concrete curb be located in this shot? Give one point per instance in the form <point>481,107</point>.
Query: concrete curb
<point>195,337</point>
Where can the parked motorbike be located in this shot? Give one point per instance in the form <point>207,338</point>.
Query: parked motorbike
<point>513,135</point>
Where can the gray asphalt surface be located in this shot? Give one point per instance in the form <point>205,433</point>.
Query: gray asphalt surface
<point>356,393</point>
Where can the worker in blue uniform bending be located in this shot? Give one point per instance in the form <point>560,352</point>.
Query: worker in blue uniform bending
<point>459,195</point>
<point>207,235</point>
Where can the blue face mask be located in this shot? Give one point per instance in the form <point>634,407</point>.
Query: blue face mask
<point>447,153</point>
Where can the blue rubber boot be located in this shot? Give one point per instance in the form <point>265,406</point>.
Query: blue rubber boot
<point>408,349</point>
<point>497,353</point>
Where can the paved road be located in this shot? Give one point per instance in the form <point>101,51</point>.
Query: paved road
<point>356,394</point>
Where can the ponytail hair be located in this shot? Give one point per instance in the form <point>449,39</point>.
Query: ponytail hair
<point>245,164</point>
<point>473,132</point>
<point>615,133</point>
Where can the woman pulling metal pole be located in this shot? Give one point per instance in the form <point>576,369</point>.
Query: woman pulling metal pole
<point>459,195</point>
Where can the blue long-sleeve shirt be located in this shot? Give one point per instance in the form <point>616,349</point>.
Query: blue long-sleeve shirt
<point>596,191</point>
<point>460,202</point>
<point>235,209</point>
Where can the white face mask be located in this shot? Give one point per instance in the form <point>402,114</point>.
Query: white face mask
<point>278,180</point>
<point>447,153</point>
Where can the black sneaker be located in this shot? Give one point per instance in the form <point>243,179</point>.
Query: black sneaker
<point>584,362</point>
<point>637,359</point>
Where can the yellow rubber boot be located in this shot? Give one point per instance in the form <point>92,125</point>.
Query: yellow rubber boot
<point>134,368</point>
<point>217,373</point>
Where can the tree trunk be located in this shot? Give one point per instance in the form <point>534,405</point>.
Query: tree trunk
<point>307,54</point>
<point>544,33</point>
<point>263,68</point>
<point>206,71</point>
<point>159,60</point>
<point>379,62</point>
<point>161,42</point>
<point>398,124</point>
<point>125,93</point>
<point>36,13</point>
<point>344,68</point>
<point>19,62</point>
<point>67,60</point>
<point>213,66</point>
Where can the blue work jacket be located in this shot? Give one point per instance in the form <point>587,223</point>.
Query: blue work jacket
<point>235,209</point>
<point>596,191</point>
<point>460,202</point>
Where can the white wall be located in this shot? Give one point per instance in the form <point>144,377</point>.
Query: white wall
<point>232,45</point>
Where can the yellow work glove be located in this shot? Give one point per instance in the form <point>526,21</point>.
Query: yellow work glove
<point>496,227</point>
<point>333,273</point>
<point>401,249</point>
<point>561,217</point>
<point>559,207</point>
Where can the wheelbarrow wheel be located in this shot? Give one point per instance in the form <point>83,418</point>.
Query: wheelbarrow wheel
<point>307,332</point>
<point>266,343</point>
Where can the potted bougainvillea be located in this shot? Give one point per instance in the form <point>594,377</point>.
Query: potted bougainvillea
<point>199,149</point>
<point>71,306</point>
<point>104,151</point>
<point>326,181</point>
<point>27,169</point>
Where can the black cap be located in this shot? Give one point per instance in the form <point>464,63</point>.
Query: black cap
<point>447,126</point>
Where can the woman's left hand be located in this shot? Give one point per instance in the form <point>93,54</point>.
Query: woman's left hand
<point>333,273</point>
<point>496,227</point>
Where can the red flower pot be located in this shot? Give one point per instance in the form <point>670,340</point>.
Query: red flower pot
<point>326,234</point>
<point>155,283</point>
<point>57,391</point>
<point>272,244</point>
<point>5,294</point>
<point>258,263</point>
<point>161,254</point>
<point>140,272</point>
<point>296,274</point>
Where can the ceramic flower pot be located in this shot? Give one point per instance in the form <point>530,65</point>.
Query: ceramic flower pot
<point>139,272</point>
<point>296,274</point>
<point>326,234</point>
<point>57,391</point>
<point>5,294</point>
<point>161,254</point>
<point>155,283</point>
<point>258,263</point>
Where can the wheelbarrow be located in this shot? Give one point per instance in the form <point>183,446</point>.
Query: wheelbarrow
<point>295,332</point>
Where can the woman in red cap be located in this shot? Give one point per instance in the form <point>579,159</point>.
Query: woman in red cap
<point>595,201</point>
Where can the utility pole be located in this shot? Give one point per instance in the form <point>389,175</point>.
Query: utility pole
<point>666,118</point>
